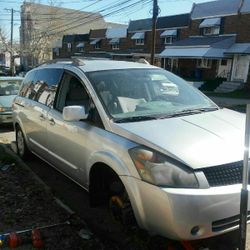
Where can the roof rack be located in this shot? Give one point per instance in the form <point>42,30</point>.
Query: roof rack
<point>74,61</point>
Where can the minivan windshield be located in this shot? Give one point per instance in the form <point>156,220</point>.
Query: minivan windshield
<point>141,94</point>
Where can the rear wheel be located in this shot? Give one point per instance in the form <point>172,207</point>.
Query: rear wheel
<point>22,149</point>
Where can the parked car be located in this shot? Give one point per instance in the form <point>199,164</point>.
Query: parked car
<point>9,87</point>
<point>138,138</point>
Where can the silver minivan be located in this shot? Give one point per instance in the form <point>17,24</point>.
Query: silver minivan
<point>138,138</point>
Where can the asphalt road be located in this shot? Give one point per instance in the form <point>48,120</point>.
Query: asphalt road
<point>77,199</point>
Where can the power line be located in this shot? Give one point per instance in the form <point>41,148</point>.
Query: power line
<point>100,17</point>
<point>108,14</point>
<point>92,15</point>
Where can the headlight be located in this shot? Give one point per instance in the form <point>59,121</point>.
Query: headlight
<point>161,170</point>
<point>2,109</point>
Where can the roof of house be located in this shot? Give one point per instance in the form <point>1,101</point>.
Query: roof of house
<point>75,38</point>
<point>116,33</point>
<point>176,21</point>
<point>239,48</point>
<point>214,41</point>
<point>142,24</point>
<point>99,33</point>
<point>164,22</point>
<point>68,38</point>
<point>81,37</point>
<point>215,8</point>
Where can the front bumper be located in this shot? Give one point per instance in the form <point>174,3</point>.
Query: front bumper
<point>186,214</point>
<point>6,117</point>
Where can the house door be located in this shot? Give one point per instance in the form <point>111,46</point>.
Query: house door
<point>240,70</point>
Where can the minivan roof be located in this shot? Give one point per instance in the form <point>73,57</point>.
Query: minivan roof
<point>97,64</point>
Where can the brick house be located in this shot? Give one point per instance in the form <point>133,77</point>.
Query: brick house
<point>71,45</point>
<point>168,30</point>
<point>106,42</point>
<point>218,43</point>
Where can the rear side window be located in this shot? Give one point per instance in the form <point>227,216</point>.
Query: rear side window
<point>42,85</point>
<point>29,80</point>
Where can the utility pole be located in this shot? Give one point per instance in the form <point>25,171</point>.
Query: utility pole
<point>11,42</point>
<point>244,189</point>
<point>11,45</point>
<point>154,21</point>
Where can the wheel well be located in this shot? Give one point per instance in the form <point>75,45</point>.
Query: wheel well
<point>103,182</point>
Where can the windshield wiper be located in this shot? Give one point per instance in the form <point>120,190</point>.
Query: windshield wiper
<point>188,112</point>
<point>135,119</point>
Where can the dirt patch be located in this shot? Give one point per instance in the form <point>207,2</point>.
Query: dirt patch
<point>26,203</point>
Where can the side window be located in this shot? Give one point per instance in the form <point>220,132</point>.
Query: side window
<point>28,84</point>
<point>45,86</point>
<point>72,92</point>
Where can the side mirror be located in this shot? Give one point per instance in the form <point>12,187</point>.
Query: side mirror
<point>74,113</point>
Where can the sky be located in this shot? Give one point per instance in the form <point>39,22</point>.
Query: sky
<point>140,11</point>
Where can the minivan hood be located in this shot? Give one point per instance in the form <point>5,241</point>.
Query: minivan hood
<point>200,140</point>
<point>6,100</point>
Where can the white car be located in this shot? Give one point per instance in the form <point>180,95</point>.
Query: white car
<point>138,138</point>
<point>9,87</point>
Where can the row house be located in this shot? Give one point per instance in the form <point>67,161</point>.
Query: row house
<point>218,44</point>
<point>133,42</point>
<point>212,41</point>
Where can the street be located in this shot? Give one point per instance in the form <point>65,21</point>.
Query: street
<point>97,219</point>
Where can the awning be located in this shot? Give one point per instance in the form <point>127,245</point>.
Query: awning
<point>94,42</point>
<point>239,48</point>
<point>208,52</point>
<point>169,33</point>
<point>210,22</point>
<point>114,41</point>
<point>138,35</point>
<point>184,52</point>
<point>80,45</point>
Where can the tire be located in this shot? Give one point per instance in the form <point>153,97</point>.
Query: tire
<point>22,149</point>
<point>120,206</point>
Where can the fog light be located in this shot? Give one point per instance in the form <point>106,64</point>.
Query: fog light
<point>195,230</point>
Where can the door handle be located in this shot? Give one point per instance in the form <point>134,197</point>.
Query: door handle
<point>42,117</point>
<point>52,122</point>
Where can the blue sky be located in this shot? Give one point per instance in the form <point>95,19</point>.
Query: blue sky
<point>140,11</point>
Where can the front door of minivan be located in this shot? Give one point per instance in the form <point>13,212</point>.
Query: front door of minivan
<point>69,143</point>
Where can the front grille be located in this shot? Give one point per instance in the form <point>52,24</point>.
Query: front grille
<point>227,174</point>
<point>227,223</point>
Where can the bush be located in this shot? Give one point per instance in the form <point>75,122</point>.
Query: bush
<point>211,84</point>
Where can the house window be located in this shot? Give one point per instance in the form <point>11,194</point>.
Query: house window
<point>169,39</point>
<point>223,62</point>
<point>204,63</point>
<point>115,46</point>
<point>208,31</point>
<point>80,49</point>
<point>139,41</point>
<point>56,51</point>
<point>97,46</point>
<point>69,46</point>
